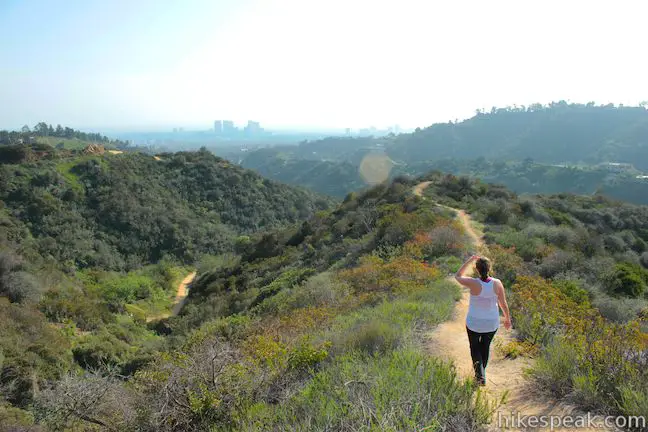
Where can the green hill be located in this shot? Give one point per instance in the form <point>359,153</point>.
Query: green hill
<point>559,133</point>
<point>550,149</point>
<point>121,211</point>
<point>59,137</point>
<point>326,177</point>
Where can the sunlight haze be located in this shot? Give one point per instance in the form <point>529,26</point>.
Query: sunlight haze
<point>303,63</point>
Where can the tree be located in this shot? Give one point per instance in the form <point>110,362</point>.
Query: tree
<point>41,129</point>
<point>368,215</point>
<point>25,129</point>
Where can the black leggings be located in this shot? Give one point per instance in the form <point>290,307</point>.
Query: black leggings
<point>479,351</point>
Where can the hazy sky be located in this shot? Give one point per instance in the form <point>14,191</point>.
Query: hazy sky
<point>329,63</point>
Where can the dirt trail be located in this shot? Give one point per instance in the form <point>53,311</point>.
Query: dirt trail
<point>505,377</point>
<point>178,302</point>
<point>419,188</point>
<point>181,295</point>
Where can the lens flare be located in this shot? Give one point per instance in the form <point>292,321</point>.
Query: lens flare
<point>375,168</point>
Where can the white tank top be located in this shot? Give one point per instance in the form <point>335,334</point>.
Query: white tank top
<point>483,313</point>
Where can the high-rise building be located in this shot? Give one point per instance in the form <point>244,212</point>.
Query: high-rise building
<point>228,127</point>
<point>218,126</point>
<point>253,128</point>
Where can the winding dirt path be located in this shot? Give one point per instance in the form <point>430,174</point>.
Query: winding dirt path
<point>178,302</point>
<point>419,188</point>
<point>505,377</point>
<point>181,295</point>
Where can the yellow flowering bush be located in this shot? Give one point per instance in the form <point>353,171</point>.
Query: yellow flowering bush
<point>604,363</point>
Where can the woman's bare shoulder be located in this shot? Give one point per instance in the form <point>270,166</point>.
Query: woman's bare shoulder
<point>498,284</point>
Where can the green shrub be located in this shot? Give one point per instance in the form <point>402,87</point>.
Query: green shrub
<point>556,367</point>
<point>614,243</point>
<point>445,240</point>
<point>372,337</point>
<point>506,264</point>
<point>15,419</point>
<point>644,259</point>
<point>139,315</point>
<point>306,356</point>
<point>390,324</point>
<point>559,217</point>
<point>619,309</point>
<point>572,290</point>
<point>634,399</point>
<point>585,390</point>
<point>402,390</point>
<point>286,280</point>
<point>525,246</point>
<point>497,212</point>
<point>120,290</point>
<point>315,291</point>
<point>85,309</point>
<point>628,279</point>
<point>559,261</point>
<point>33,351</point>
<point>217,262</point>
<point>15,283</point>
<point>124,345</point>
<point>515,349</point>
<point>231,328</point>
<point>448,264</point>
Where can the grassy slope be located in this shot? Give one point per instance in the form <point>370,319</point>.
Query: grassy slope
<point>69,143</point>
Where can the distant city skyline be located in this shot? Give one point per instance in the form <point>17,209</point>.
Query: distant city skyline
<point>241,124</point>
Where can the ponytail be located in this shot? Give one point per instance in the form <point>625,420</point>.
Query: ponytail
<point>483,268</point>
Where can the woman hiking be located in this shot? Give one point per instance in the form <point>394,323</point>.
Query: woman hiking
<point>482,320</point>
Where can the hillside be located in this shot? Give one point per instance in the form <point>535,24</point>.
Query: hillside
<point>121,211</point>
<point>321,326</point>
<point>559,133</point>
<point>530,177</point>
<point>59,137</point>
<point>93,247</point>
<point>327,177</point>
<point>551,149</point>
